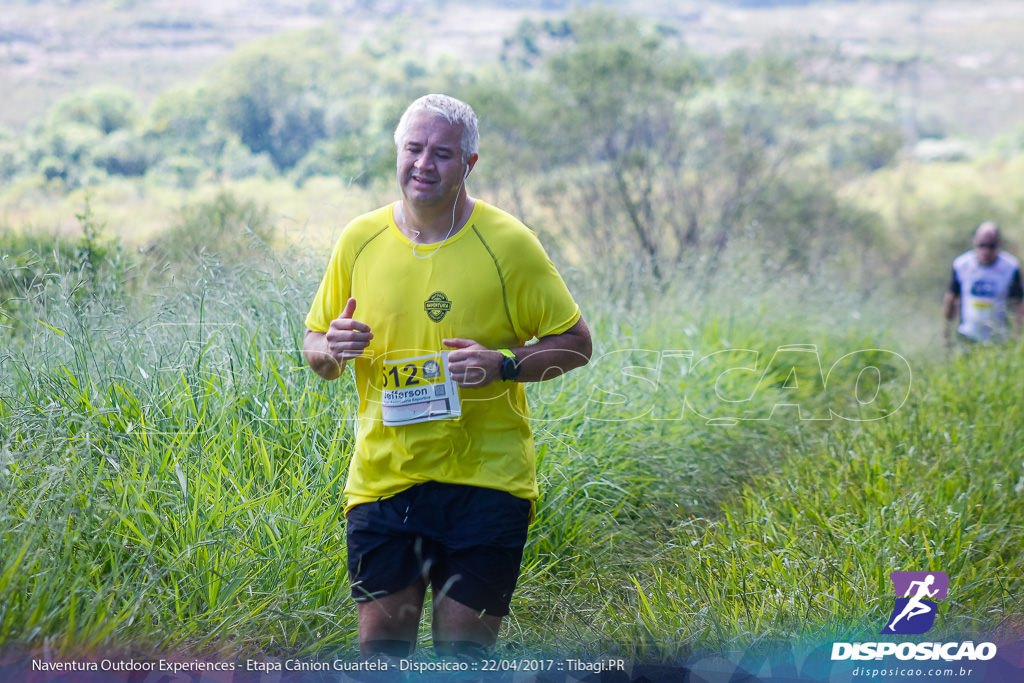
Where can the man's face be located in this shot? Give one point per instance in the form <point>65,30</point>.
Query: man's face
<point>430,168</point>
<point>986,249</point>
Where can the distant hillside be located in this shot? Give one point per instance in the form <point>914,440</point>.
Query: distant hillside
<point>954,65</point>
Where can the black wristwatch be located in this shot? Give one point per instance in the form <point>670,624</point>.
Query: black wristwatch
<point>509,366</point>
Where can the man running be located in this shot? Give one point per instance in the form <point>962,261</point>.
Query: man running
<point>985,283</point>
<point>434,298</point>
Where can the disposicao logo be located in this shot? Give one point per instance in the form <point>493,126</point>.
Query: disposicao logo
<point>917,596</point>
<point>916,604</point>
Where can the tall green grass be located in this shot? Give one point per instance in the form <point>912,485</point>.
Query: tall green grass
<point>170,471</point>
<point>172,480</point>
<point>805,552</point>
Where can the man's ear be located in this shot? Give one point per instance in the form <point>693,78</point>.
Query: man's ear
<point>470,163</point>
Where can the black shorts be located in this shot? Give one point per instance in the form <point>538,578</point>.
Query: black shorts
<point>465,541</point>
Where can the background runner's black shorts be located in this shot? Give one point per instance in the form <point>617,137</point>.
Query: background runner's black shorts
<point>465,541</point>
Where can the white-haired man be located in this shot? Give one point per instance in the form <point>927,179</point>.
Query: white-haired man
<point>442,479</point>
<point>985,283</point>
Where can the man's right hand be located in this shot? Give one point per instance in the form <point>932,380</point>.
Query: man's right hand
<point>347,338</point>
<point>327,352</point>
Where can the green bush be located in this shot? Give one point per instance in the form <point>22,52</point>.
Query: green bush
<point>105,108</point>
<point>28,259</point>
<point>225,229</point>
<point>92,269</point>
<point>124,153</point>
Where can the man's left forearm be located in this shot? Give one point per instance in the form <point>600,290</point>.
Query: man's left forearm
<point>555,355</point>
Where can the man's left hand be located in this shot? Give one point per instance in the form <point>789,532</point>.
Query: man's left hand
<point>472,364</point>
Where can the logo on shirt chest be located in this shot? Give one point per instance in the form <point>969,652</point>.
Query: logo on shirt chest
<point>984,288</point>
<point>437,306</point>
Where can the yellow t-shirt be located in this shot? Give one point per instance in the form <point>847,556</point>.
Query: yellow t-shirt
<point>491,282</point>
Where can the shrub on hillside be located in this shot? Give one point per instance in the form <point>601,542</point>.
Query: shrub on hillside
<point>91,269</point>
<point>124,153</point>
<point>27,260</point>
<point>225,228</point>
<point>105,108</point>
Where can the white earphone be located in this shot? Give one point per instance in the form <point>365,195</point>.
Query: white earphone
<point>415,245</point>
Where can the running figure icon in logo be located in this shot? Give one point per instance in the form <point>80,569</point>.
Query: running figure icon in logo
<point>914,612</point>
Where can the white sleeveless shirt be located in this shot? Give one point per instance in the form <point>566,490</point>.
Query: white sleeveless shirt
<point>983,291</point>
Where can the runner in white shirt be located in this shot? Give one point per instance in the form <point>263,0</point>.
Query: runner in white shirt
<point>986,282</point>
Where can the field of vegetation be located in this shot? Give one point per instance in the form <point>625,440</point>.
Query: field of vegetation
<point>768,429</point>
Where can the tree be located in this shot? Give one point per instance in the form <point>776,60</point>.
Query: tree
<point>123,153</point>
<point>106,108</point>
<point>273,94</point>
<point>650,156</point>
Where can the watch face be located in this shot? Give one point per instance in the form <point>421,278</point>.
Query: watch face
<point>509,369</point>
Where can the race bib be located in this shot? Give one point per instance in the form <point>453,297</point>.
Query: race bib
<point>419,389</point>
<point>984,310</point>
<point>987,324</point>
